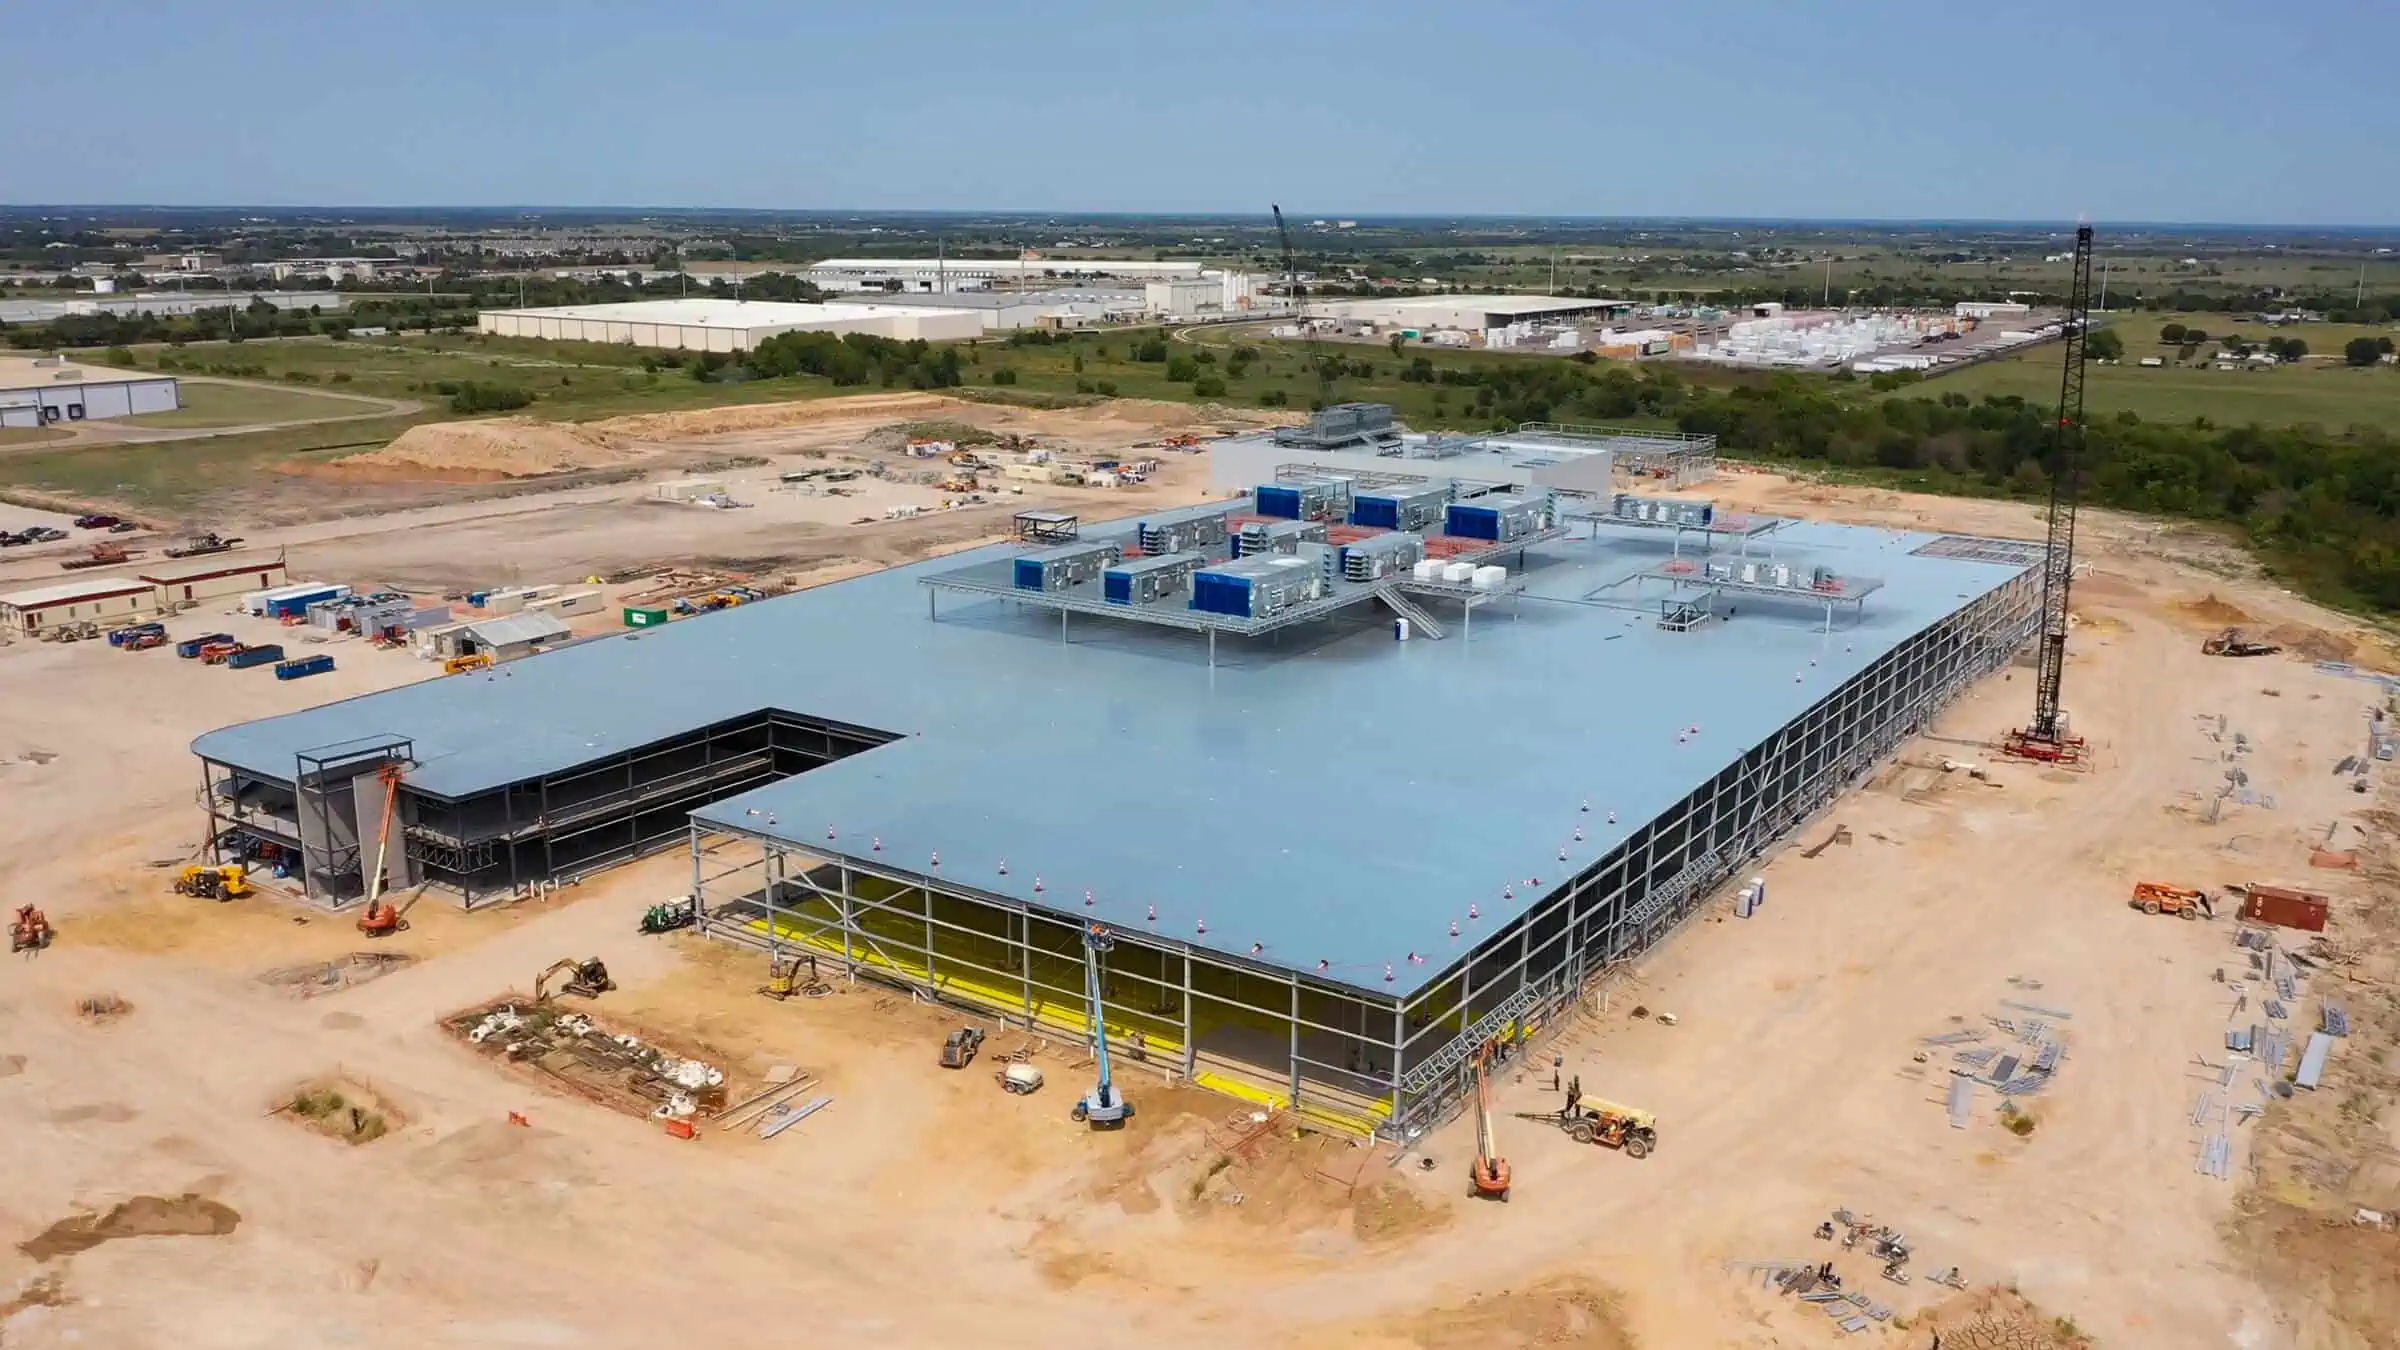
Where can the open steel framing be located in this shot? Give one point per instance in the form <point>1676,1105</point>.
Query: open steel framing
<point>1331,1049</point>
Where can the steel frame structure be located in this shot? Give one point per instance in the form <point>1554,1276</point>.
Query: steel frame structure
<point>553,827</point>
<point>1333,1048</point>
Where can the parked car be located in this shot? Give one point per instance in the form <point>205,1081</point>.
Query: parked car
<point>94,522</point>
<point>43,534</point>
<point>9,540</point>
<point>123,527</point>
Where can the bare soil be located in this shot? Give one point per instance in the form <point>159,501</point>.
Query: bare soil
<point>926,1207</point>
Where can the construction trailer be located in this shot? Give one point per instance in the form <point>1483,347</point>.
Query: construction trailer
<point>107,601</point>
<point>914,812</point>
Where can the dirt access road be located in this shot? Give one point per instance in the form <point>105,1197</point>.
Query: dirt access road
<point>925,1207</point>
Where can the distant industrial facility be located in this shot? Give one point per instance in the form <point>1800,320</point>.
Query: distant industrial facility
<point>712,325</point>
<point>1474,313</point>
<point>942,275</point>
<point>1355,770</point>
<point>37,391</point>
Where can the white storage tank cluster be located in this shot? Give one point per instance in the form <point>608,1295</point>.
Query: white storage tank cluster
<point>1819,339</point>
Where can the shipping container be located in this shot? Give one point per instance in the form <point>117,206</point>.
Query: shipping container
<point>1254,588</point>
<point>1197,534</point>
<point>189,648</point>
<point>1068,565</point>
<point>1139,581</point>
<point>294,604</point>
<point>2285,908</point>
<point>118,637</point>
<point>645,618</point>
<point>256,656</point>
<point>1419,507</point>
<point>1381,556</point>
<point>305,666</point>
<point>1498,519</point>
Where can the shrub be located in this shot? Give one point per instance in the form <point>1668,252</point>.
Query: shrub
<point>1004,375</point>
<point>1183,370</point>
<point>1209,386</point>
<point>1105,388</point>
<point>469,397</point>
<point>1273,398</point>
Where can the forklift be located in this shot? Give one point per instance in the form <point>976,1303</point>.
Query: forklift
<point>1588,1120</point>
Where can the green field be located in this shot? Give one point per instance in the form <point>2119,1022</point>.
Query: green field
<point>2319,389</point>
<point>209,403</point>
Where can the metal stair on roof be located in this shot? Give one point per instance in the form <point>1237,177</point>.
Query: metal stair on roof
<point>1407,609</point>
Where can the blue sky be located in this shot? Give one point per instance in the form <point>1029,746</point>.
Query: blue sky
<point>2122,110</point>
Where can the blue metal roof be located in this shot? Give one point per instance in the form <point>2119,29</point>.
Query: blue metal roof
<point>1331,794</point>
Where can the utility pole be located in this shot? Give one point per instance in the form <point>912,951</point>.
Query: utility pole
<point>1827,302</point>
<point>2361,301</point>
<point>2103,306</point>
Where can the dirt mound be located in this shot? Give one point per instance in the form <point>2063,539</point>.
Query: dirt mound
<point>142,1216</point>
<point>2209,609</point>
<point>1564,1313</point>
<point>340,1109</point>
<point>2314,643</point>
<point>669,426</point>
<point>513,447</point>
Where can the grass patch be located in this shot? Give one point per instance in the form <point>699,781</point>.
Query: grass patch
<point>29,435</point>
<point>2016,1122</point>
<point>342,1110</point>
<point>2324,391</point>
<point>207,403</point>
<point>173,476</point>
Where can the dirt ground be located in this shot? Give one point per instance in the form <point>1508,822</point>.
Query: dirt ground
<point>924,1206</point>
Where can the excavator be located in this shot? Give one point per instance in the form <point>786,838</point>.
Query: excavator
<point>2232,642</point>
<point>2157,897</point>
<point>587,978</point>
<point>219,881</point>
<point>31,930</point>
<point>1489,1178</point>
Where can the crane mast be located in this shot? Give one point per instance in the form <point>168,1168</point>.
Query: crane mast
<point>2046,737</point>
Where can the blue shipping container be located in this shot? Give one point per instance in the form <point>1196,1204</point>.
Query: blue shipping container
<point>189,648</point>
<point>306,665</point>
<point>256,656</point>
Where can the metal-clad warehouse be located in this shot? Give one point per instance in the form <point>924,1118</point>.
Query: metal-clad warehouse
<point>101,600</point>
<point>192,580</point>
<point>1334,862</point>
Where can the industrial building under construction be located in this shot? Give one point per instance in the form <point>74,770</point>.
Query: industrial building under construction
<point>1351,798</point>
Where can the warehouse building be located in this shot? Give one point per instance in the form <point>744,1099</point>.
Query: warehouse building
<point>191,581</point>
<point>38,391</point>
<point>711,325</point>
<point>1003,311</point>
<point>1335,931</point>
<point>940,276</point>
<point>100,600</point>
<point>1472,313</point>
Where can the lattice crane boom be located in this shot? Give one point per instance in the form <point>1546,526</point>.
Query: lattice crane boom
<point>2066,466</point>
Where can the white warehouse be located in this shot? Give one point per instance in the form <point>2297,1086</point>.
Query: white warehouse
<point>41,390</point>
<point>939,276</point>
<point>714,325</point>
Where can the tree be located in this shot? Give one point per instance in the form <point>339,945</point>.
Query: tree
<point>2172,334</point>
<point>1209,386</point>
<point>1398,342</point>
<point>2104,345</point>
<point>1183,369</point>
<point>2362,351</point>
<point>1004,375</point>
<point>2195,336</point>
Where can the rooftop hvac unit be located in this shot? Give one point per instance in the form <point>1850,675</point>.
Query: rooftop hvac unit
<point>1310,499</point>
<point>1261,537</point>
<point>1458,573</point>
<point>1184,536</point>
<point>1141,581</point>
<point>1428,569</point>
<point>1498,518</point>
<point>1402,508</point>
<point>1489,578</point>
<point>1381,556</point>
<point>1254,588</point>
<point>1068,565</point>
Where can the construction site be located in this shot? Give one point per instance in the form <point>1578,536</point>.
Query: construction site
<point>1823,915</point>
